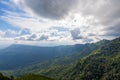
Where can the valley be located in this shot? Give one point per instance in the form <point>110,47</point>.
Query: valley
<point>98,61</point>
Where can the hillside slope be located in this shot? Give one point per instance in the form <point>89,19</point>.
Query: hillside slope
<point>57,67</point>
<point>2,77</point>
<point>25,77</point>
<point>33,77</point>
<point>102,64</point>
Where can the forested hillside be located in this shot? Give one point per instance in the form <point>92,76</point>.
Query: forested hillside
<point>2,77</point>
<point>57,67</point>
<point>102,64</point>
<point>33,77</point>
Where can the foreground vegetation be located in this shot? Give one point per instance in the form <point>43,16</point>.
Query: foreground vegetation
<point>4,77</point>
<point>25,77</point>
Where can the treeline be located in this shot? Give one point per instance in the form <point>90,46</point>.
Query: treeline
<point>25,77</point>
<point>102,64</point>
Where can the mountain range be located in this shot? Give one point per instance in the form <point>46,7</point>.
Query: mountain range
<point>94,61</point>
<point>18,55</point>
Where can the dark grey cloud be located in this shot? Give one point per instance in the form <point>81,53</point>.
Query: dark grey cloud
<point>106,11</point>
<point>53,9</point>
<point>32,37</point>
<point>75,33</point>
<point>87,40</point>
<point>113,30</point>
<point>43,37</point>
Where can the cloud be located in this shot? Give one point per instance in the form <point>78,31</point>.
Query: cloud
<point>10,34</point>
<point>113,30</point>
<point>105,11</point>
<point>53,9</point>
<point>59,20</point>
<point>1,33</point>
<point>44,37</point>
<point>76,33</point>
<point>25,31</point>
<point>59,28</point>
<point>35,37</point>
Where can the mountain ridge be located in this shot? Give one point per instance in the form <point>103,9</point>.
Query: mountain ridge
<point>102,64</point>
<point>24,54</point>
<point>58,66</point>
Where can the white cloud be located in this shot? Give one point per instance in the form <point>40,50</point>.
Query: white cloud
<point>10,34</point>
<point>86,21</point>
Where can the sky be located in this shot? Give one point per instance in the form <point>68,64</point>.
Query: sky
<point>58,22</point>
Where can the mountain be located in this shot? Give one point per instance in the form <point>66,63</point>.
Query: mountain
<point>16,56</point>
<point>48,61</point>
<point>57,67</point>
<point>101,64</point>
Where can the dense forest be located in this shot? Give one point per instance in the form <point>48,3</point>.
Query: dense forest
<point>102,64</point>
<point>96,61</point>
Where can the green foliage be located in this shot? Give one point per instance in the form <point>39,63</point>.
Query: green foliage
<point>102,64</point>
<point>4,77</point>
<point>33,77</point>
<point>25,77</point>
<point>57,67</point>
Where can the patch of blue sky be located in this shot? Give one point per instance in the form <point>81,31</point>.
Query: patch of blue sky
<point>4,7</point>
<point>9,8</point>
<point>6,26</point>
